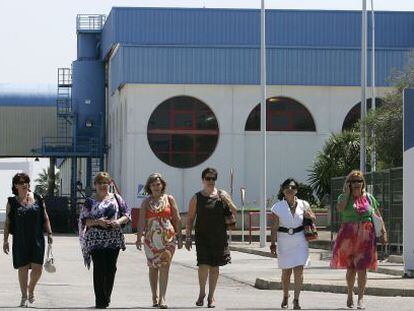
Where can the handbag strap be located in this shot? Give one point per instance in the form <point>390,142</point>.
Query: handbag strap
<point>49,251</point>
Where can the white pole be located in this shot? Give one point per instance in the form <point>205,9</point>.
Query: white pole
<point>363,85</point>
<point>373,100</point>
<point>263,125</point>
<point>242,200</point>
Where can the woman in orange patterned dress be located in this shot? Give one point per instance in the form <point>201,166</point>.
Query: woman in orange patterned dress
<point>160,220</point>
<point>355,245</point>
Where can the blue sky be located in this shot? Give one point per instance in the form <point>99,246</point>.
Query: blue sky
<point>39,36</point>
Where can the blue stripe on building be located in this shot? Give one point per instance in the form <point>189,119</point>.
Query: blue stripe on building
<point>27,94</point>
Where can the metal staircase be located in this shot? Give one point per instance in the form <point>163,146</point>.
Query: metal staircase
<point>65,116</point>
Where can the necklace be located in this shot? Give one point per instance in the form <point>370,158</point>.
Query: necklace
<point>157,205</point>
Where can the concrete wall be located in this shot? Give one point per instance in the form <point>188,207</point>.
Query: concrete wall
<point>131,159</point>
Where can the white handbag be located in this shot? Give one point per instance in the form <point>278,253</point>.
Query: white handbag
<point>50,260</point>
<point>378,224</point>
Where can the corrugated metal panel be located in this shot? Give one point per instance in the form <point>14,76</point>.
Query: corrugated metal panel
<point>28,125</point>
<point>286,66</point>
<point>230,27</point>
<point>27,94</point>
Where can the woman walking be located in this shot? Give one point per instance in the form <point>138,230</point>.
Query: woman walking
<point>27,220</point>
<point>292,246</point>
<point>355,245</point>
<point>160,220</point>
<point>209,208</point>
<point>101,236</point>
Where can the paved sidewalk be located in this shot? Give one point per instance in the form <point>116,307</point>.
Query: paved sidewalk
<point>387,281</point>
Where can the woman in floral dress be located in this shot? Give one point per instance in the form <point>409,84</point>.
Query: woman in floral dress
<point>160,221</point>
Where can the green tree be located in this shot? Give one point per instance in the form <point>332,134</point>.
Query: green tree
<point>338,157</point>
<point>387,121</point>
<point>43,182</point>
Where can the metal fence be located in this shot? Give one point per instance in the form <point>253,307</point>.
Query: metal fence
<point>387,187</point>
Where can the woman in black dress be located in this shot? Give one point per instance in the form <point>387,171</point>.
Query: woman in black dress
<point>209,207</point>
<point>27,220</point>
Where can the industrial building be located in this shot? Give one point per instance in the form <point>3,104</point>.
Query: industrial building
<point>176,90</point>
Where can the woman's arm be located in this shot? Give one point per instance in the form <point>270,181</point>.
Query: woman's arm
<point>273,233</point>
<point>308,213</point>
<point>192,209</point>
<point>6,247</point>
<point>47,226</point>
<point>227,198</point>
<point>141,223</point>
<point>176,219</point>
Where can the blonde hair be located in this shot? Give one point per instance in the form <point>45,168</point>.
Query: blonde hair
<point>354,173</point>
<point>102,176</point>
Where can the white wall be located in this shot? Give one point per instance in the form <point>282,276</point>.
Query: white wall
<point>289,153</point>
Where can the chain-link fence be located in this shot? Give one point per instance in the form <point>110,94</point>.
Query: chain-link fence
<point>387,187</point>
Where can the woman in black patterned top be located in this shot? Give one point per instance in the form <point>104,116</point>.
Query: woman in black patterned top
<point>209,207</point>
<point>101,236</point>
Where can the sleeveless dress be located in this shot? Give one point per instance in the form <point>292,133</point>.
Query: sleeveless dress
<point>27,228</point>
<point>159,242</point>
<point>211,232</point>
<point>292,250</point>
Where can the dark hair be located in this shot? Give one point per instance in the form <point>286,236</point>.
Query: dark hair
<point>284,184</point>
<point>154,177</point>
<point>18,177</point>
<point>209,170</point>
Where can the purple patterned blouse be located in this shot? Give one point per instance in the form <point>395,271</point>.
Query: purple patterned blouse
<point>94,238</point>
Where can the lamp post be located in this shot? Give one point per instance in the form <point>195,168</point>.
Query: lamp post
<point>363,85</point>
<point>373,100</point>
<point>263,125</point>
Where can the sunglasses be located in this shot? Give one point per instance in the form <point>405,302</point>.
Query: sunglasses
<point>359,181</point>
<point>22,182</point>
<point>102,183</point>
<point>210,178</point>
<point>290,187</point>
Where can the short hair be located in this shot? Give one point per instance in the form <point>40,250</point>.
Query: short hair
<point>17,178</point>
<point>152,178</point>
<point>209,170</point>
<point>102,177</point>
<point>353,173</point>
<point>284,184</point>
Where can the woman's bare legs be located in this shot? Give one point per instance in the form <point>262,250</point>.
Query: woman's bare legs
<point>35,275</point>
<point>163,282</point>
<point>350,281</point>
<point>23,273</point>
<point>153,279</point>
<point>203,271</point>
<point>298,279</point>
<point>362,281</point>
<point>212,283</point>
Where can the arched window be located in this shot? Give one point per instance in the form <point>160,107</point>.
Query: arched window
<point>354,115</point>
<point>283,114</point>
<point>182,132</point>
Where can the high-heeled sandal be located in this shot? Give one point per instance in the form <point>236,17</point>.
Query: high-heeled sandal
<point>31,299</point>
<point>162,306</point>
<point>360,304</point>
<point>285,303</point>
<point>350,302</point>
<point>200,301</point>
<point>210,303</point>
<point>296,305</point>
<point>23,302</point>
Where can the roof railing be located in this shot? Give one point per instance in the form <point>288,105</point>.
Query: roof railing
<point>90,22</point>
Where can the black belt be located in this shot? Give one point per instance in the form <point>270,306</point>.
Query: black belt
<point>290,231</point>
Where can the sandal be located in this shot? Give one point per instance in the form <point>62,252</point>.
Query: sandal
<point>360,304</point>
<point>200,301</point>
<point>162,306</point>
<point>296,305</point>
<point>23,302</point>
<point>210,303</point>
<point>350,302</point>
<point>31,299</point>
<point>285,303</point>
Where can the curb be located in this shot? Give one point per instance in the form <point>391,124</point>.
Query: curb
<point>252,251</point>
<point>337,289</point>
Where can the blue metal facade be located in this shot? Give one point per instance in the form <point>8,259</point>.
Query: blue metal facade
<point>408,119</point>
<point>221,46</point>
<point>27,95</point>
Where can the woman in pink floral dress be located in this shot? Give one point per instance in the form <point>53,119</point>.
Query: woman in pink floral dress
<point>355,245</point>
<point>160,220</point>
